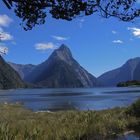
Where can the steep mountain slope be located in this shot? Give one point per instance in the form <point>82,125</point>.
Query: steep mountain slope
<point>129,71</point>
<point>61,70</point>
<point>9,78</point>
<point>137,72</point>
<point>23,70</point>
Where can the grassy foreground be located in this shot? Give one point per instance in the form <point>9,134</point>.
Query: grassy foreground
<point>17,123</point>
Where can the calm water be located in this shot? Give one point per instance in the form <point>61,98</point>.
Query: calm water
<point>65,99</point>
<point>129,137</point>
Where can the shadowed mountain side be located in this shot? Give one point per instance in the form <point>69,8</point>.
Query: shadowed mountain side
<point>9,78</point>
<point>23,70</point>
<point>127,72</point>
<point>137,72</point>
<point>61,70</point>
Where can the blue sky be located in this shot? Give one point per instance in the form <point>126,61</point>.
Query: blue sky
<point>98,44</point>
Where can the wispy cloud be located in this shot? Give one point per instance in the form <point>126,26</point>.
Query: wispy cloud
<point>5,20</point>
<point>4,36</point>
<point>60,38</point>
<point>135,31</point>
<point>114,32</point>
<point>13,43</point>
<point>45,46</point>
<point>81,21</point>
<point>117,41</point>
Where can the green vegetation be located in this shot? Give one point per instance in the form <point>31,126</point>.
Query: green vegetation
<point>16,123</point>
<point>128,83</point>
<point>134,109</point>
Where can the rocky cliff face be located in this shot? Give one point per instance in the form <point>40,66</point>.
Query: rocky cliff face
<point>61,70</point>
<point>9,78</point>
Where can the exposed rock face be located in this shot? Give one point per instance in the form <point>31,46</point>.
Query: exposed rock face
<point>129,71</point>
<point>61,70</point>
<point>9,78</point>
<point>23,70</point>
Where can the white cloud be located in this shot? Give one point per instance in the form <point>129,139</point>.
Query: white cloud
<point>4,36</point>
<point>5,20</point>
<point>135,31</point>
<point>45,46</point>
<point>3,50</point>
<point>117,41</point>
<point>60,38</point>
<point>114,32</point>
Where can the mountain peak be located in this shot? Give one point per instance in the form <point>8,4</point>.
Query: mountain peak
<point>61,70</point>
<point>63,53</point>
<point>63,48</point>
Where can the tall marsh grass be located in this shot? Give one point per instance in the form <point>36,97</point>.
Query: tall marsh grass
<point>17,123</point>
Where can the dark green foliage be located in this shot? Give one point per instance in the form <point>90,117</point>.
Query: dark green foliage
<point>34,12</point>
<point>129,83</point>
<point>134,109</point>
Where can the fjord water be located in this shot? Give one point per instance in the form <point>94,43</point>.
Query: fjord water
<point>71,98</point>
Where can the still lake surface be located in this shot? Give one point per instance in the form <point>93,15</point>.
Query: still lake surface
<point>66,99</point>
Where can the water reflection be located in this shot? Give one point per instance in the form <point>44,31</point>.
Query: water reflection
<point>129,137</point>
<point>65,99</point>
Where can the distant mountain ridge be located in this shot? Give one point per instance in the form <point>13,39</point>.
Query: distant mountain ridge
<point>61,70</point>
<point>127,72</point>
<point>9,78</point>
<point>23,70</point>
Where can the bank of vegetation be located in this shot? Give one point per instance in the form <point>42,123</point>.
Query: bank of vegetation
<point>129,83</point>
<point>17,123</point>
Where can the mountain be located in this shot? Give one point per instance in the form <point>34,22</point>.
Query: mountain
<point>9,78</point>
<point>128,72</point>
<point>23,70</point>
<point>61,70</point>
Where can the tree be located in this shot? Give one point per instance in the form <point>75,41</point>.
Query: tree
<point>34,12</point>
<point>3,50</point>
